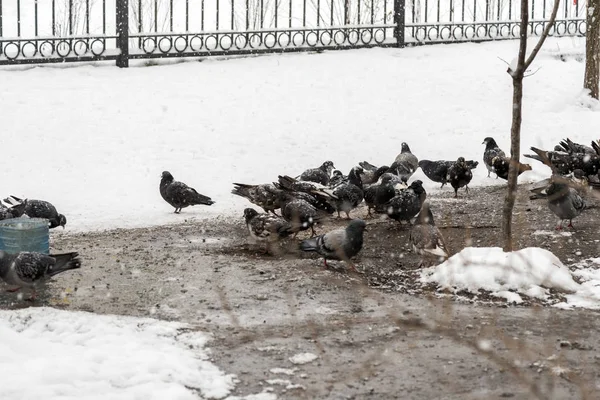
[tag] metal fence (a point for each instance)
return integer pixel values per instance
(37, 31)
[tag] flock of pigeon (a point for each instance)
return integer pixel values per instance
(317, 193)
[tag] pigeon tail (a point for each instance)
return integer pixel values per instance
(202, 199)
(64, 262)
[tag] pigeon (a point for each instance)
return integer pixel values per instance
(564, 201)
(266, 227)
(491, 150)
(14, 211)
(264, 195)
(32, 269)
(337, 178)
(380, 193)
(405, 204)
(577, 180)
(563, 163)
(339, 244)
(437, 171)
(371, 173)
(426, 239)
(300, 213)
(405, 164)
(459, 175)
(319, 175)
(347, 196)
(501, 164)
(180, 195)
(40, 209)
(305, 191)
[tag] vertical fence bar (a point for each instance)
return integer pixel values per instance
(373, 12)
(104, 17)
(385, 12)
(139, 11)
(452, 10)
(276, 12)
(358, 14)
(438, 10)
(331, 14)
(155, 16)
(53, 18)
(487, 10)
(1, 34)
(122, 20)
(247, 15)
(498, 10)
(532, 11)
(399, 22)
(262, 14)
(171, 15)
(474, 10)
(290, 15)
(427, 10)
(87, 16)
(232, 12)
(462, 11)
(70, 17)
(319, 11)
(217, 11)
(19, 18)
(187, 15)
(510, 9)
(304, 13)
(346, 12)
(202, 15)
(566, 9)
(36, 17)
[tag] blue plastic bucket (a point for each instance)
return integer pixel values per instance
(24, 234)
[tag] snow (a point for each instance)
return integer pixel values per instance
(589, 294)
(530, 271)
(94, 139)
(87, 356)
(303, 358)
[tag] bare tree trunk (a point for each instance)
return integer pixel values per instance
(517, 74)
(591, 79)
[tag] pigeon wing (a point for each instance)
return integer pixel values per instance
(31, 267)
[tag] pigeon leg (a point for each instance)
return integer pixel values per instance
(369, 212)
(570, 224)
(313, 233)
(33, 295)
(177, 212)
(14, 289)
(353, 267)
(325, 266)
(441, 187)
(347, 214)
(455, 193)
(467, 189)
(338, 211)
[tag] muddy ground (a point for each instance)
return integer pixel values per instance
(379, 335)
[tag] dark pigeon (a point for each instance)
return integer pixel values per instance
(267, 228)
(564, 201)
(180, 195)
(501, 165)
(337, 178)
(567, 145)
(300, 213)
(319, 175)
(305, 191)
(459, 175)
(378, 194)
(264, 195)
(31, 269)
(14, 211)
(491, 150)
(42, 209)
(563, 163)
(437, 171)
(426, 239)
(406, 204)
(339, 244)
(346, 196)
(405, 164)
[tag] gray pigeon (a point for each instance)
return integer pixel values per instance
(371, 173)
(264, 195)
(319, 175)
(41, 209)
(426, 239)
(32, 269)
(406, 204)
(564, 201)
(491, 150)
(459, 175)
(267, 228)
(14, 211)
(300, 213)
(180, 195)
(339, 244)
(405, 164)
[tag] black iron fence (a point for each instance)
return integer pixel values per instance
(36, 31)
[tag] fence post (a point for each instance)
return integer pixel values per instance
(122, 19)
(399, 22)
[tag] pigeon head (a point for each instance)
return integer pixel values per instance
(62, 220)
(405, 148)
(354, 176)
(250, 213)
(461, 161)
(166, 176)
(417, 187)
(381, 170)
(327, 167)
(425, 216)
(336, 173)
(490, 143)
(357, 226)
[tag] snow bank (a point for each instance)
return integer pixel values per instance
(54, 354)
(530, 271)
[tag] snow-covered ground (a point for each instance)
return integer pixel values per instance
(94, 140)
(54, 354)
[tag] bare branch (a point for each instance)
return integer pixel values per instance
(545, 34)
(531, 73)
(503, 60)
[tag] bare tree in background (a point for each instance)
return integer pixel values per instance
(591, 80)
(517, 72)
